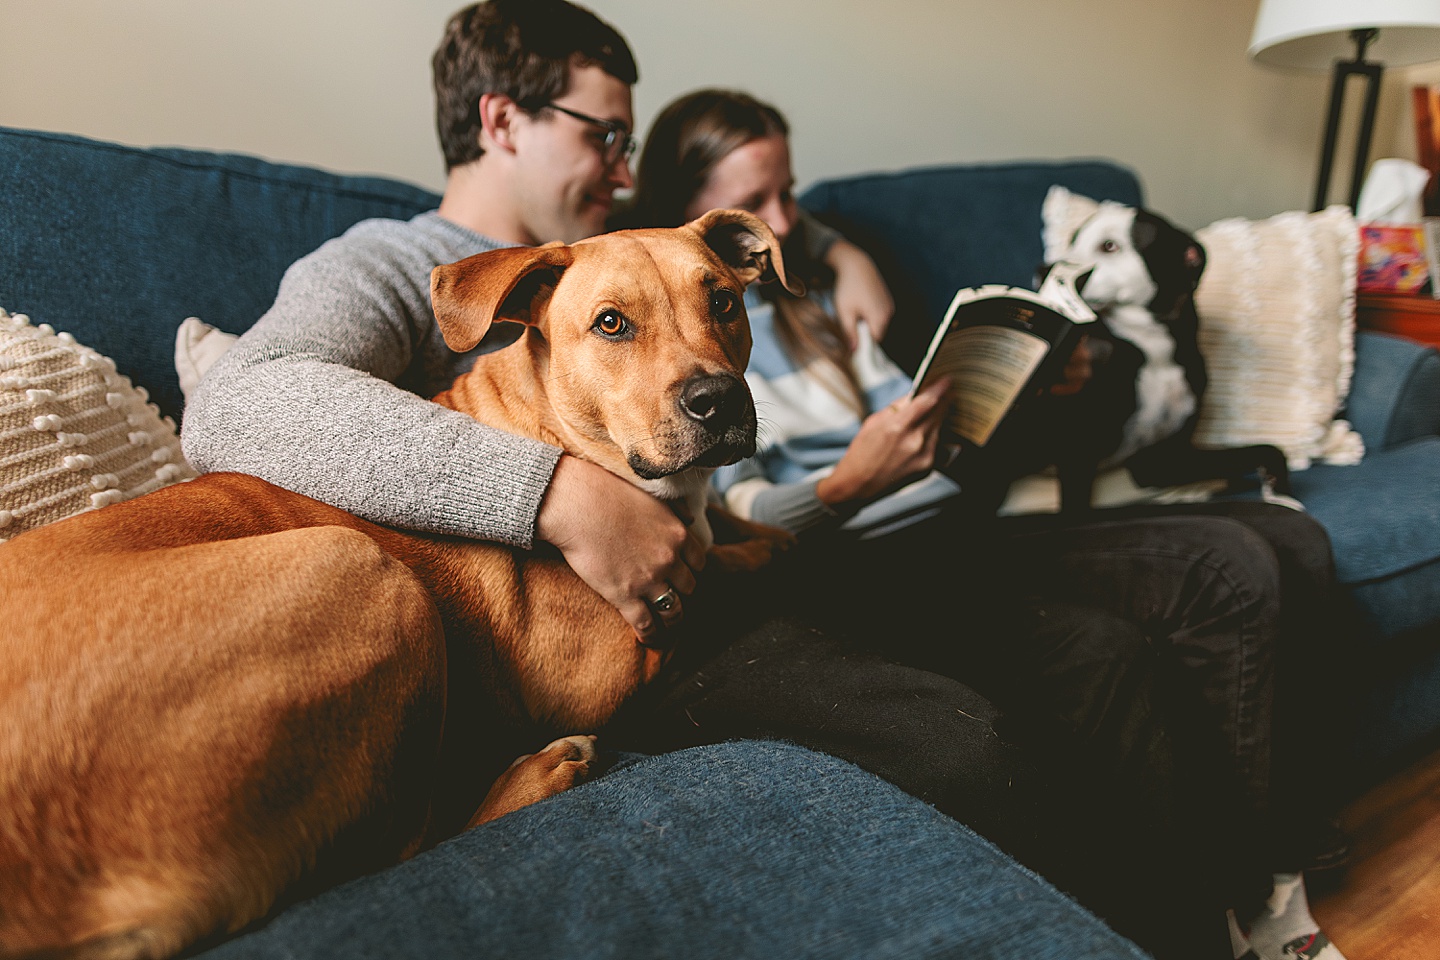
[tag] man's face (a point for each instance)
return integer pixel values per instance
(564, 186)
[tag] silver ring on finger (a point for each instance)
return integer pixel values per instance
(666, 602)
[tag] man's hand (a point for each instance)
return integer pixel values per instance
(894, 446)
(861, 295)
(629, 547)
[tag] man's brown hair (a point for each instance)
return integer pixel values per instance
(522, 49)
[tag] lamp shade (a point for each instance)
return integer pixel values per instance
(1313, 34)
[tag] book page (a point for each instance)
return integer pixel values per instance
(988, 365)
(1059, 291)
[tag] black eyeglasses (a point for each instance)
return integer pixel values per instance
(618, 141)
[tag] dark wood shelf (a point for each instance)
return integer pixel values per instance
(1417, 318)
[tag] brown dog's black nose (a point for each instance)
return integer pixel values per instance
(715, 401)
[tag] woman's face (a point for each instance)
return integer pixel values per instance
(754, 177)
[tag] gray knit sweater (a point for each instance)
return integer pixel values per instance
(325, 395)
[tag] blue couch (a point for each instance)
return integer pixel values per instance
(747, 849)
(937, 230)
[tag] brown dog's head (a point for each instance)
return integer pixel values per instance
(639, 338)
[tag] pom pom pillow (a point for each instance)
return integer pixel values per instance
(1277, 327)
(74, 434)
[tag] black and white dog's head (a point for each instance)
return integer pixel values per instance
(1140, 259)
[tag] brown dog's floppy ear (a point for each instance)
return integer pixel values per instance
(747, 244)
(513, 283)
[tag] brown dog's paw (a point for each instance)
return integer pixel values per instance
(743, 546)
(535, 776)
(744, 557)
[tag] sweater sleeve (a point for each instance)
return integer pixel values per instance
(311, 399)
(792, 506)
(748, 493)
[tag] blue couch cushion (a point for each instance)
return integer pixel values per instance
(1383, 517)
(117, 245)
(944, 228)
(747, 849)
(1395, 395)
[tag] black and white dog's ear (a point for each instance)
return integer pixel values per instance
(1145, 231)
(1195, 260)
(1174, 258)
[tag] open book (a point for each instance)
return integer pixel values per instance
(1000, 343)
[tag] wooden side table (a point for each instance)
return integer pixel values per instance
(1417, 318)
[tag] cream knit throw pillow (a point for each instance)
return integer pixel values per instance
(74, 434)
(1277, 328)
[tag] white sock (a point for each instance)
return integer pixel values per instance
(1284, 930)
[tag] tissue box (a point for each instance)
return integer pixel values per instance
(1393, 259)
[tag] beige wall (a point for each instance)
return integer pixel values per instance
(1161, 85)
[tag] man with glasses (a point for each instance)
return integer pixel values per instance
(324, 395)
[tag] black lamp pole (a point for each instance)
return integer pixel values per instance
(1344, 69)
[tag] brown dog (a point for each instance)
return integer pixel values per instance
(212, 691)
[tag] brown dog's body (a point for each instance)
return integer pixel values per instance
(214, 690)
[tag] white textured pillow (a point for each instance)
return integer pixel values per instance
(1277, 327)
(74, 434)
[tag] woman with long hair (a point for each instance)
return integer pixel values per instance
(890, 553)
(832, 400)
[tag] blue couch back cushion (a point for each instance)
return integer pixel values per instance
(934, 230)
(117, 245)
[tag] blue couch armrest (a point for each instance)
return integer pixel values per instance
(1395, 393)
(738, 850)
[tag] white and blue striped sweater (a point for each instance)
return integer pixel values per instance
(805, 429)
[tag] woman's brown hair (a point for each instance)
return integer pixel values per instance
(689, 137)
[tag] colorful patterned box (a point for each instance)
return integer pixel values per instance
(1392, 259)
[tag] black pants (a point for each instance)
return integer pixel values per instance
(1133, 659)
(1317, 623)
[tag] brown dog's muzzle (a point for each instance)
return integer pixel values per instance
(718, 417)
(721, 404)
(723, 407)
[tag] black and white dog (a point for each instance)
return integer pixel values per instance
(1141, 404)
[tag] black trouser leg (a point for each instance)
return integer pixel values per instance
(931, 735)
(1315, 634)
(1089, 800)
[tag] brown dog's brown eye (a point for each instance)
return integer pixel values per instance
(724, 304)
(612, 324)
